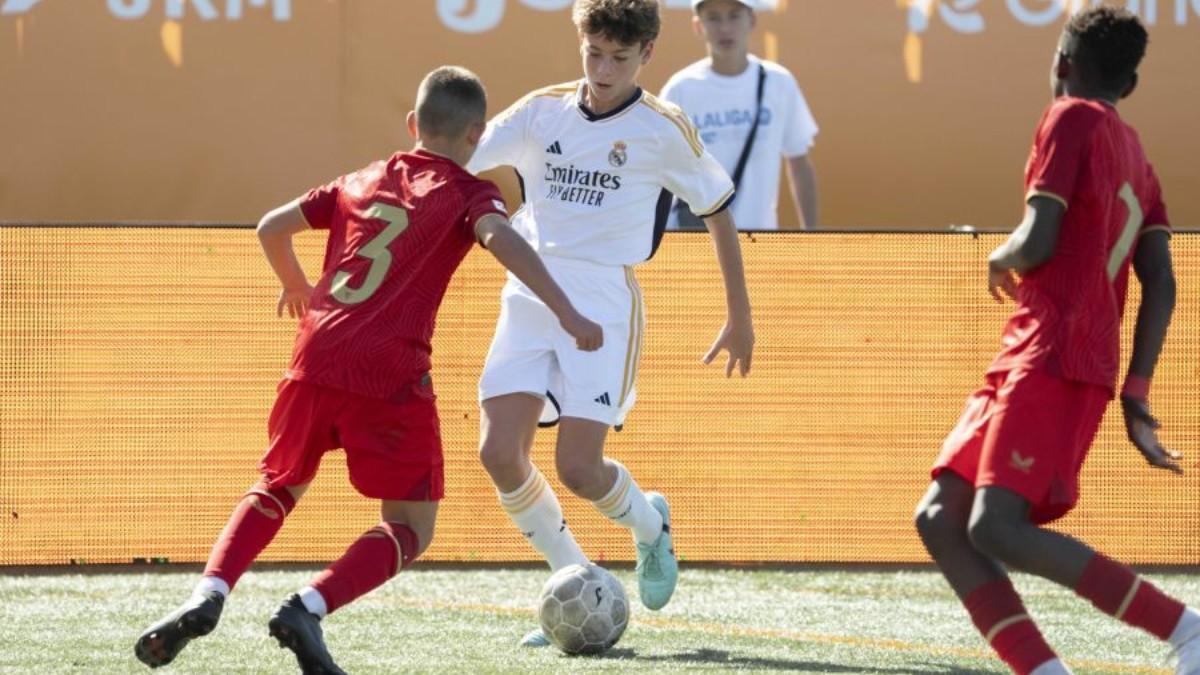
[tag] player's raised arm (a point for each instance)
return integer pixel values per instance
(737, 335)
(518, 256)
(1029, 246)
(275, 232)
(1152, 264)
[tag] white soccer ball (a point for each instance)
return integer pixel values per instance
(583, 609)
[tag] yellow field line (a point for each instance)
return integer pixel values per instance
(724, 629)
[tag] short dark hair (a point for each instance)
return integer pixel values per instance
(626, 22)
(1110, 43)
(449, 100)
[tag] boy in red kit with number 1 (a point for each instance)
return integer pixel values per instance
(1093, 206)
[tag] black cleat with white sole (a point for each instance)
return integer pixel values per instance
(163, 641)
(299, 630)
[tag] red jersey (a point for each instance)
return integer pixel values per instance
(1069, 309)
(398, 230)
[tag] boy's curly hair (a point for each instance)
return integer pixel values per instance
(1111, 43)
(627, 22)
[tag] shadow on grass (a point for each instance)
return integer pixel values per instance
(721, 657)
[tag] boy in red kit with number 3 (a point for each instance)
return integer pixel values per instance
(359, 375)
(1012, 463)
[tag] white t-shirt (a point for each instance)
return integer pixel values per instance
(722, 108)
(595, 185)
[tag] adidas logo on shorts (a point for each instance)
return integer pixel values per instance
(603, 399)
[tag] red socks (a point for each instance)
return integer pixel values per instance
(253, 525)
(998, 613)
(1115, 590)
(374, 558)
(1112, 587)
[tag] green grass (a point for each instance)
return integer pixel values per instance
(440, 621)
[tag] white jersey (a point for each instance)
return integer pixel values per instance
(598, 187)
(722, 108)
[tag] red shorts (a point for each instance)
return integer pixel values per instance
(393, 449)
(1028, 432)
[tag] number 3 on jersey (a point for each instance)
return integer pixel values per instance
(376, 251)
(1129, 233)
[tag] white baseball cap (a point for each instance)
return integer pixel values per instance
(752, 4)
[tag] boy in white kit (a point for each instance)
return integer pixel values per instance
(598, 160)
(719, 94)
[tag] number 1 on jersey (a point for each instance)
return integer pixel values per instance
(1128, 233)
(376, 251)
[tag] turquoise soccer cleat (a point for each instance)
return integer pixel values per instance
(535, 638)
(1188, 656)
(657, 568)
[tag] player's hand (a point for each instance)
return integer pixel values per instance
(1001, 280)
(1142, 429)
(295, 300)
(738, 338)
(589, 336)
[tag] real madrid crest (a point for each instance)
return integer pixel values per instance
(618, 157)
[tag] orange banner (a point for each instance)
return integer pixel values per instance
(218, 110)
(138, 365)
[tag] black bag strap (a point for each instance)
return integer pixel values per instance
(741, 165)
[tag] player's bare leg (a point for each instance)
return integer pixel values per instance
(251, 527)
(1001, 528)
(942, 519)
(606, 483)
(405, 531)
(508, 424)
(579, 458)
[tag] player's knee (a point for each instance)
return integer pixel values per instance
(498, 456)
(993, 535)
(925, 520)
(938, 531)
(424, 539)
(581, 478)
(425, 536)
(419, 521)
(410, 542)
(421, 539)
(274, 503)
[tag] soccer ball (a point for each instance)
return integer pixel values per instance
(583, 609)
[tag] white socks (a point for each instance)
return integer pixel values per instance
(313, 601)
(207, 584)
(627, 506)
(1188, 626)
(1051, 667)
(536, 511)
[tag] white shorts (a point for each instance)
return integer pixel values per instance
(531, 353)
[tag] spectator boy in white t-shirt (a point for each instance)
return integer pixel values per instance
(719, 94)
